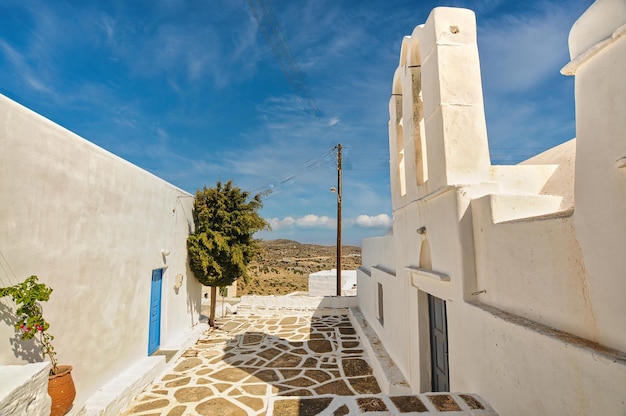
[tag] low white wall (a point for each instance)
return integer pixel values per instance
(91, 226)
(295, 303)
(24, 390)
(324, 283)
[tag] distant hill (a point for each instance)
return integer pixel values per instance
(284, 266)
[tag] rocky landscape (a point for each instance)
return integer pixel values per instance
(283, 266)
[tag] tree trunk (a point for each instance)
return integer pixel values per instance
(213, 305)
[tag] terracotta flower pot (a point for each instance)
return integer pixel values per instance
(61, 390)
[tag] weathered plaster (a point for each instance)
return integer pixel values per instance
(529, 258)
(92, 226)
(24, 390)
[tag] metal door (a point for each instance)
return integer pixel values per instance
(154, 332)
(438, 344)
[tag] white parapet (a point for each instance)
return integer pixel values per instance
(324, 283)
(24, 390)
(113, 398)
(295, 303)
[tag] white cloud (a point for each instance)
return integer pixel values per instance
(314, 221)
(376, 221)
(278, 224)
(307, 221)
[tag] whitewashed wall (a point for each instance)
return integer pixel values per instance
(598, 52)
(324, 283)
(92, 226)
(531, 271)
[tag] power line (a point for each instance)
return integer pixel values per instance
(276, 185)
(328, 159)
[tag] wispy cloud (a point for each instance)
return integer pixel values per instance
(521, 52)
(23, 69)
(333, 121)
(13, 56)
(192, 91)
(521, 55)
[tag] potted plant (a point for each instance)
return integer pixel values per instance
(30, 324)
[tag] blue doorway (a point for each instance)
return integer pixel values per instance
(154, 332)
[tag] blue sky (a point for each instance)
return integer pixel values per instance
(192, 92)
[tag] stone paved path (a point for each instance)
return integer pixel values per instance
(235, 369)
(299, 365)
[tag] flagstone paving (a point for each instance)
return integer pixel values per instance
(301, 365)
(234, 369)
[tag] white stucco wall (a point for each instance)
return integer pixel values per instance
(324, 283)
(598, 50)
(522, 370)
(528, 258)
(92, 226)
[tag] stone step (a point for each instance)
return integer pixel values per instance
(389, 376)
(452, 404)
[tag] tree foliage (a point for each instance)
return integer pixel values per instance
(222, 244)
(30, 322)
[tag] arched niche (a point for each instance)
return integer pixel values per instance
(404, 50)
(413, 55)
(414, 63)
(401, 161)
(396, 134)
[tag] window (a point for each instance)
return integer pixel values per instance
(381, 315)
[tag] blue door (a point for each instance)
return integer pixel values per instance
(154, 333)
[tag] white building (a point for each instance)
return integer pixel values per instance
(109, 238)
(506, 281)
(324, 283)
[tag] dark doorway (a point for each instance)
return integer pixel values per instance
(438, 344)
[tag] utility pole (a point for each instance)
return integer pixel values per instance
(338, 147)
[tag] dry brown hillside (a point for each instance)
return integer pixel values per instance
(283, 266)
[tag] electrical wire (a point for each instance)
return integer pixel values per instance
(327, 159)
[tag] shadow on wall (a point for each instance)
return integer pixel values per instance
(194, 303)
(26, 350)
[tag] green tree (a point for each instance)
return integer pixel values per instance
(222, 243)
